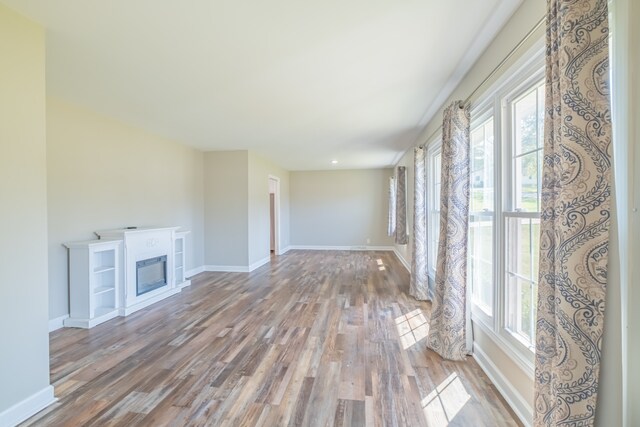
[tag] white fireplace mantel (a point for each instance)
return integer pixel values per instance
(140, 244)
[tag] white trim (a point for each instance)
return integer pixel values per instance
(285, 250)
(516, 401)
(403, 261)
(260, 263)
(57, 323)
(125, 311)
(72, 322)
(28, 407)
(340, 248)
(184, 284)
(227, 268)
(194, 271)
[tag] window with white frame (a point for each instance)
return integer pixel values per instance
(522, 209)
(433, 201)
(481, 213)
(504, 210)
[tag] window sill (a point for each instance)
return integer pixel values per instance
(524, 363)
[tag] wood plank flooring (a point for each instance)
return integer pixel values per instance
(314, 339)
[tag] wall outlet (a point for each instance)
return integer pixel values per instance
(368, 240)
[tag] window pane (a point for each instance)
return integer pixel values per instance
(434, 209)
(519, 247)
(522, 236)
(481, 261)
(527, 183)
(527, 308)
(482, 167)
(535, 247)
(526, 125)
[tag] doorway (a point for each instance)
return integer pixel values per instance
(274, 215)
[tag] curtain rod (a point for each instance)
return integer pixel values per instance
(494, 71)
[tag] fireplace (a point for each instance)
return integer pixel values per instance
(151, 274)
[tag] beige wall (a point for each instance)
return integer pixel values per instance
(226, 209)
(340, 208)
(105, 174)
(24, 342)
(258, 192)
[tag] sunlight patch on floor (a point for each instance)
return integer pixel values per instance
(444, 403)
(412, 328)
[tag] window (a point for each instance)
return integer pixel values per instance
(481, 215)
(504, 210)
(433, 201)
(522, 213)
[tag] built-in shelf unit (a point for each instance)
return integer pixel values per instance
(180, 259)
(94, 272)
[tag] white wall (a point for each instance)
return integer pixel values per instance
(24, 342)
(226, 197)
(258, 192)
(104, 174)
(340, 207)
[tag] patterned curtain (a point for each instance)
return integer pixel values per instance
(391, 227)
(419, 287)
(401, 206)
(447, 330)
(575, 215)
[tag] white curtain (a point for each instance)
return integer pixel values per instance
(575, 215)
(448, 326)
(419, 286)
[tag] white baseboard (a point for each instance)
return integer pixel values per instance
(26, 408)
(402, 260)
(260, 263)
(520, 406)
(341, 248)
(227, 268)
(284, 251)
(184, 284)
(125, 311)
(57, 323)
(194, 271)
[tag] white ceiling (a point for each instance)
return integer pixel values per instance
(299, 82)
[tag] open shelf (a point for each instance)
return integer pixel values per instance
(103, 289)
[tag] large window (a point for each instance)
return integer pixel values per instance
(522, 213)
(504, 211)
(433, 200)
(481, 217)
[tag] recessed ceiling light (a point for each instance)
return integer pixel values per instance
(334, 162)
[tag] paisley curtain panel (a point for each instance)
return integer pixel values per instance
(447, 331)
(391, 227)
(401, 206)
(575, 215)
(419, 282)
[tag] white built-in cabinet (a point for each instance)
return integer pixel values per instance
(179, 274)
(94, 275)
(103, 276)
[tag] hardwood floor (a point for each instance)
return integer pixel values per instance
(314, 339)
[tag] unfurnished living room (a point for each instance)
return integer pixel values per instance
(322, 213)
